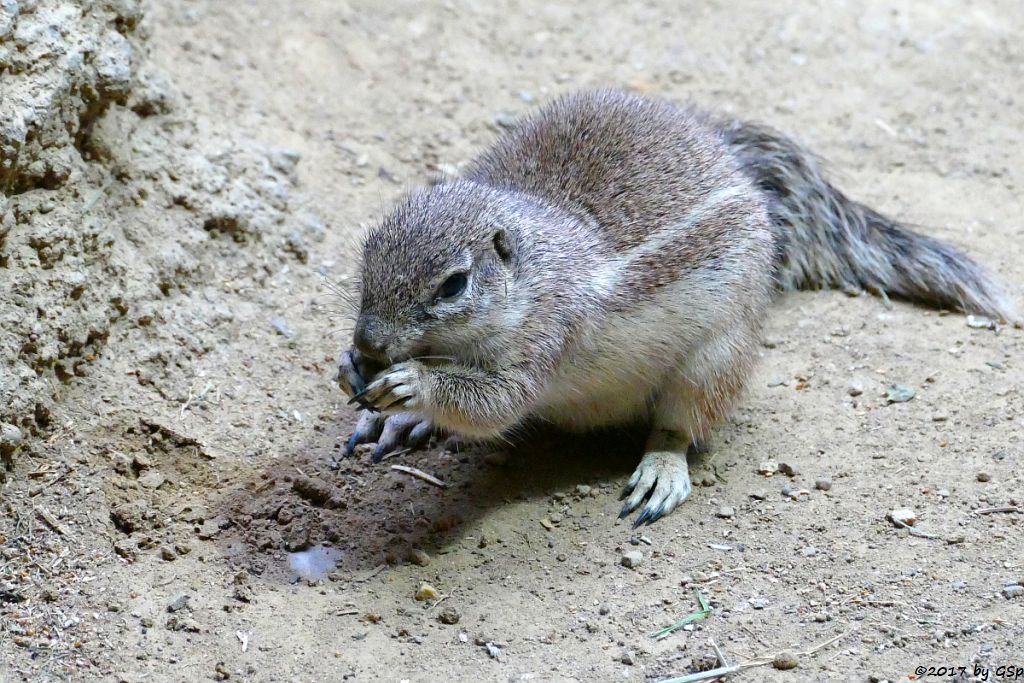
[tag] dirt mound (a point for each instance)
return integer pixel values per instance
(114, 204)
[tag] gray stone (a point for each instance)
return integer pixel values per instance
(179, 603)
(903, 516)
(632, 559)
(785, 661)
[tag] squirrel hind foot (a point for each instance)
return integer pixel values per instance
(662, 479)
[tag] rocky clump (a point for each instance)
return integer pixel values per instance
(112, 203)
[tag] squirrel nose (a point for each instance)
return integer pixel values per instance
(368, 340)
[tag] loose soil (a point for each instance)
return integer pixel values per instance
(177, 507)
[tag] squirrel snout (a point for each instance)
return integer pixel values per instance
(369, 340)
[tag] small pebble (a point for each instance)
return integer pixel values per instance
(604, 610)
(705, 661)
(493, 650)
(767, 468)
(978, 322)
(505, 120)
(10, 437)
(281, 327)
(758, 603)
(179, 603)
(209, 529)
(419, 557)
(1014, 591)
(152, 479)
(627, 658)
(122, 463)
(726, 511)
(940, 417)
(427, 592)
(632, 559)
(984, 476)
(903, 516)
(167, 554)
(759, 494)
(787, 469)
(449, 616)
(583, 490)
(899, 393)
(823, 484)
(854, 389)
(785, 661)
(809, 551)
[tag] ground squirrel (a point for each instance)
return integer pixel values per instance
(610, 260)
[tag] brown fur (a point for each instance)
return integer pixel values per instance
(620, 254)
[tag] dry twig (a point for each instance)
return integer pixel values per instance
(420, 474)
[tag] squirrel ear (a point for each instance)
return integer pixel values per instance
(502, 246)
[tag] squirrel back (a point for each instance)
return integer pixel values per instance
(573, 150)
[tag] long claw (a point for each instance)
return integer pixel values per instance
(390, 432)
(358, 397)
(654, 516)
(419, 435)
(644, 516)
(661, 478)
(367, 430)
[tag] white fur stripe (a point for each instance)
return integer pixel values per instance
(605, 278)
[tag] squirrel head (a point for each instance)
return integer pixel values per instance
(435, 275)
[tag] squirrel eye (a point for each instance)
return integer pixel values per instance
(454, 286)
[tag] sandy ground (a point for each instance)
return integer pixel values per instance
(147, 532)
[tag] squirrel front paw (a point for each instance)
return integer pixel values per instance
(354, 369)
(400, 388)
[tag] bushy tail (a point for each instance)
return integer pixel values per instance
(827, 240)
